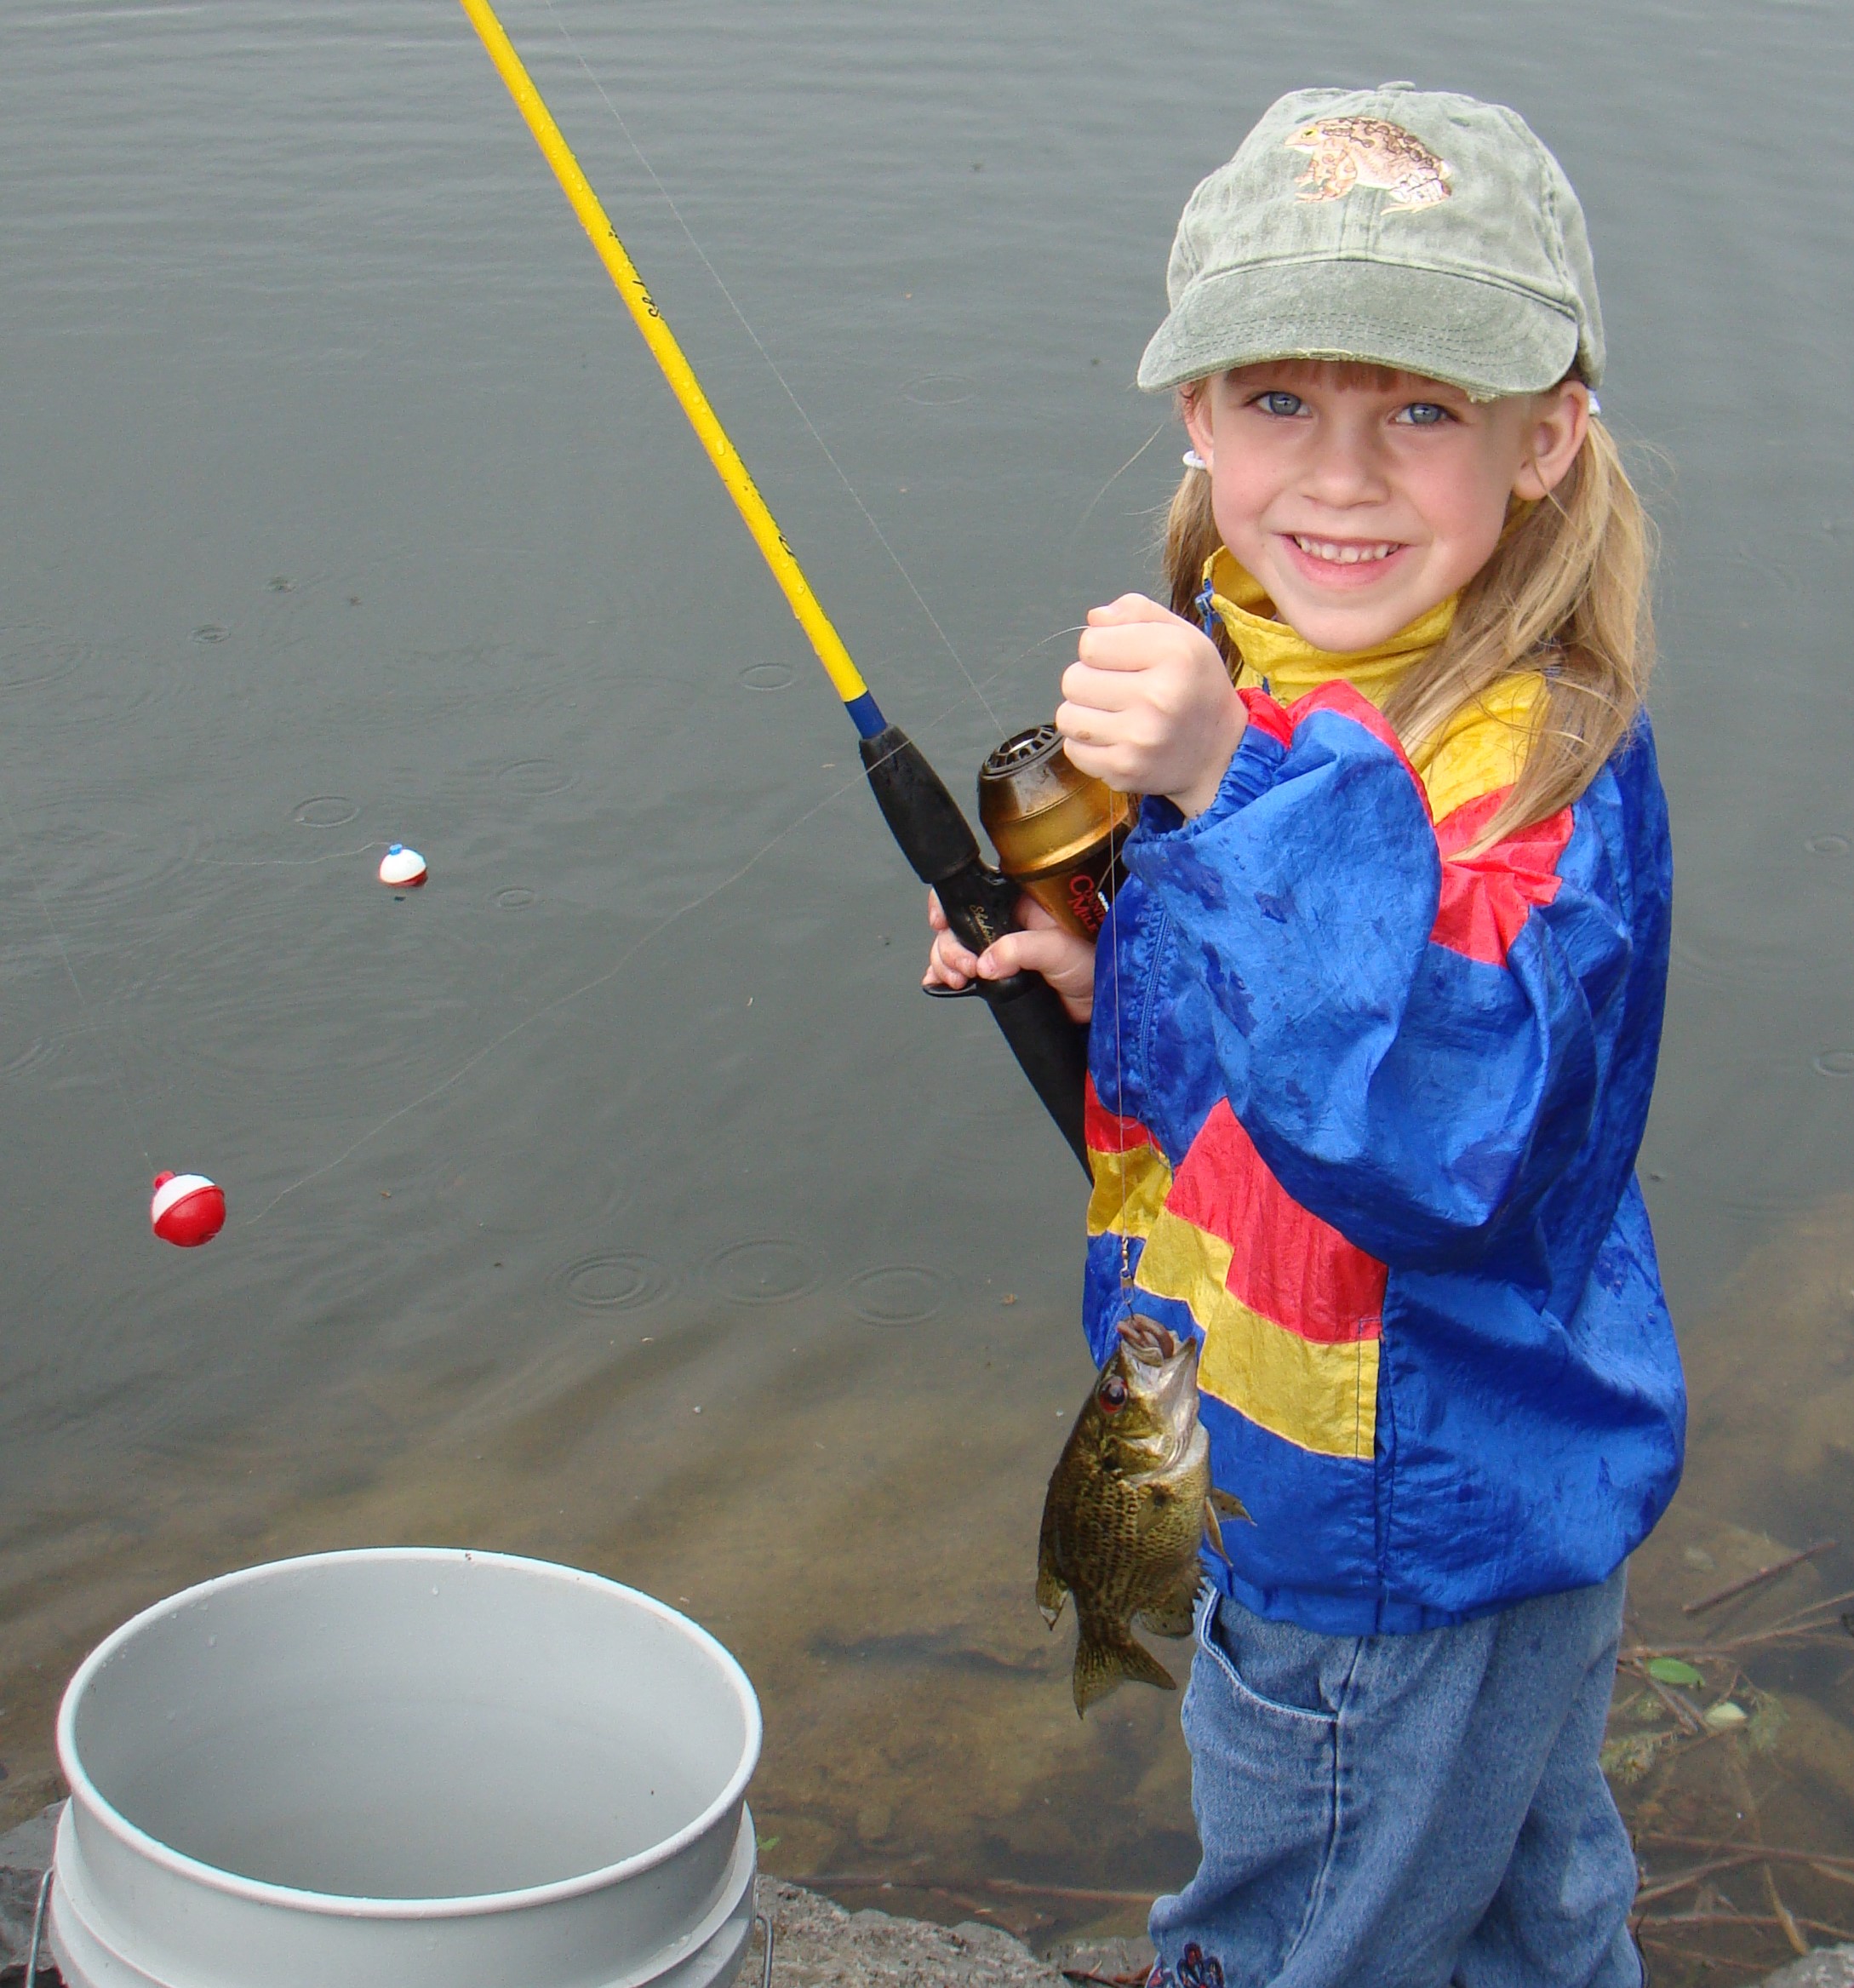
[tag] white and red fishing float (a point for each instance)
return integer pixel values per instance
(187, 1210)
(402, 867)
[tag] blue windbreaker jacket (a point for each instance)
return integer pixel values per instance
(1364, 1115)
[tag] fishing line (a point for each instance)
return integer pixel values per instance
(1003, 670)
(83, 1007)
(286, 863)
(772, 365)
(1119, 1085)
(1116, 477)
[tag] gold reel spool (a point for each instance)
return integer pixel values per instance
(1057, 830)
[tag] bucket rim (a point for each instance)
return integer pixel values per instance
(86, 1797)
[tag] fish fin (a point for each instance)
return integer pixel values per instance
(1231, 1508)
(1052, 1588)
(1051, 1595)
(1213, 1532)
(1101, 1666)
(1177, 1614)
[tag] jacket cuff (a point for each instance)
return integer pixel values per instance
(1254, 768)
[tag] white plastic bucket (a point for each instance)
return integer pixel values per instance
(406, 1768)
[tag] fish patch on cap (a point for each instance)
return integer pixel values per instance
(1370, 152)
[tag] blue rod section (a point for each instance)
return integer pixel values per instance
(866, 714)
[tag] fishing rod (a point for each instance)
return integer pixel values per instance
(1057, 831)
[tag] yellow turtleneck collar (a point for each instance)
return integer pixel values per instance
(1271, 651)
(1480, 749)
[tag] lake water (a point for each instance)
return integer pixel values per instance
(617, 1198)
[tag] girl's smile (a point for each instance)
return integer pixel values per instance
(1359, 497)
(1343, 563)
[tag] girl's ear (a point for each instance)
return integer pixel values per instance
(1553, 435)
(1194, 405)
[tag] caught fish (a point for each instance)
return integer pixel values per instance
(1130, 1502)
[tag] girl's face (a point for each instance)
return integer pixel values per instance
(1359, 497)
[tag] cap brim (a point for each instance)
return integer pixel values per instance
(1485, 337)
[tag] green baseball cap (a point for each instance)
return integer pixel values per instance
(1409, 228)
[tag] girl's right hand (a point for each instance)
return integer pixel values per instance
(1043, 946)
(1148, 705)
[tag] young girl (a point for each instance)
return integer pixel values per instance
(1373, 1035)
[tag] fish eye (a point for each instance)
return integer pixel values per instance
(1112, 1394)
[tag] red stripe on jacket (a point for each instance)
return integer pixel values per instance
(1266, 716)
(1107, 1131)
(1285, 1263)
(1487, 898)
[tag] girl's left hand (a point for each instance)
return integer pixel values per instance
(1040, 944)
(1148, 705)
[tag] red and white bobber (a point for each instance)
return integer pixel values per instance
(402, 867)
(188, 1209)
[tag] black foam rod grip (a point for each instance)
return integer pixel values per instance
(1051, 1051)
(925, 819)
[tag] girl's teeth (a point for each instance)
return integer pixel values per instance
(1320, 548)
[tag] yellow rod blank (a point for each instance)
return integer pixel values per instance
(683, 382)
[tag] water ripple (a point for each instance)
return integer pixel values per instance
(897, 1294)
(623, 1280)
(770, 1269)
(325, 811)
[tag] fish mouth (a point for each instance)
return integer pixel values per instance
(1150, 1342)
(1171, 1374)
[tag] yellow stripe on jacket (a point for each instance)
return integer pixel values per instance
(1322, 1397)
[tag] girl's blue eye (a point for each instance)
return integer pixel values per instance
(1280, 403)
(1423, 413)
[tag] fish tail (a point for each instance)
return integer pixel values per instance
(1102, 1663)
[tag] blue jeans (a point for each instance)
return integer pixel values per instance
(1404, 1811)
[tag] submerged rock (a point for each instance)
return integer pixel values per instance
(1829, 1966)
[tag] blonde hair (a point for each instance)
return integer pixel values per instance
(1566, 592)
